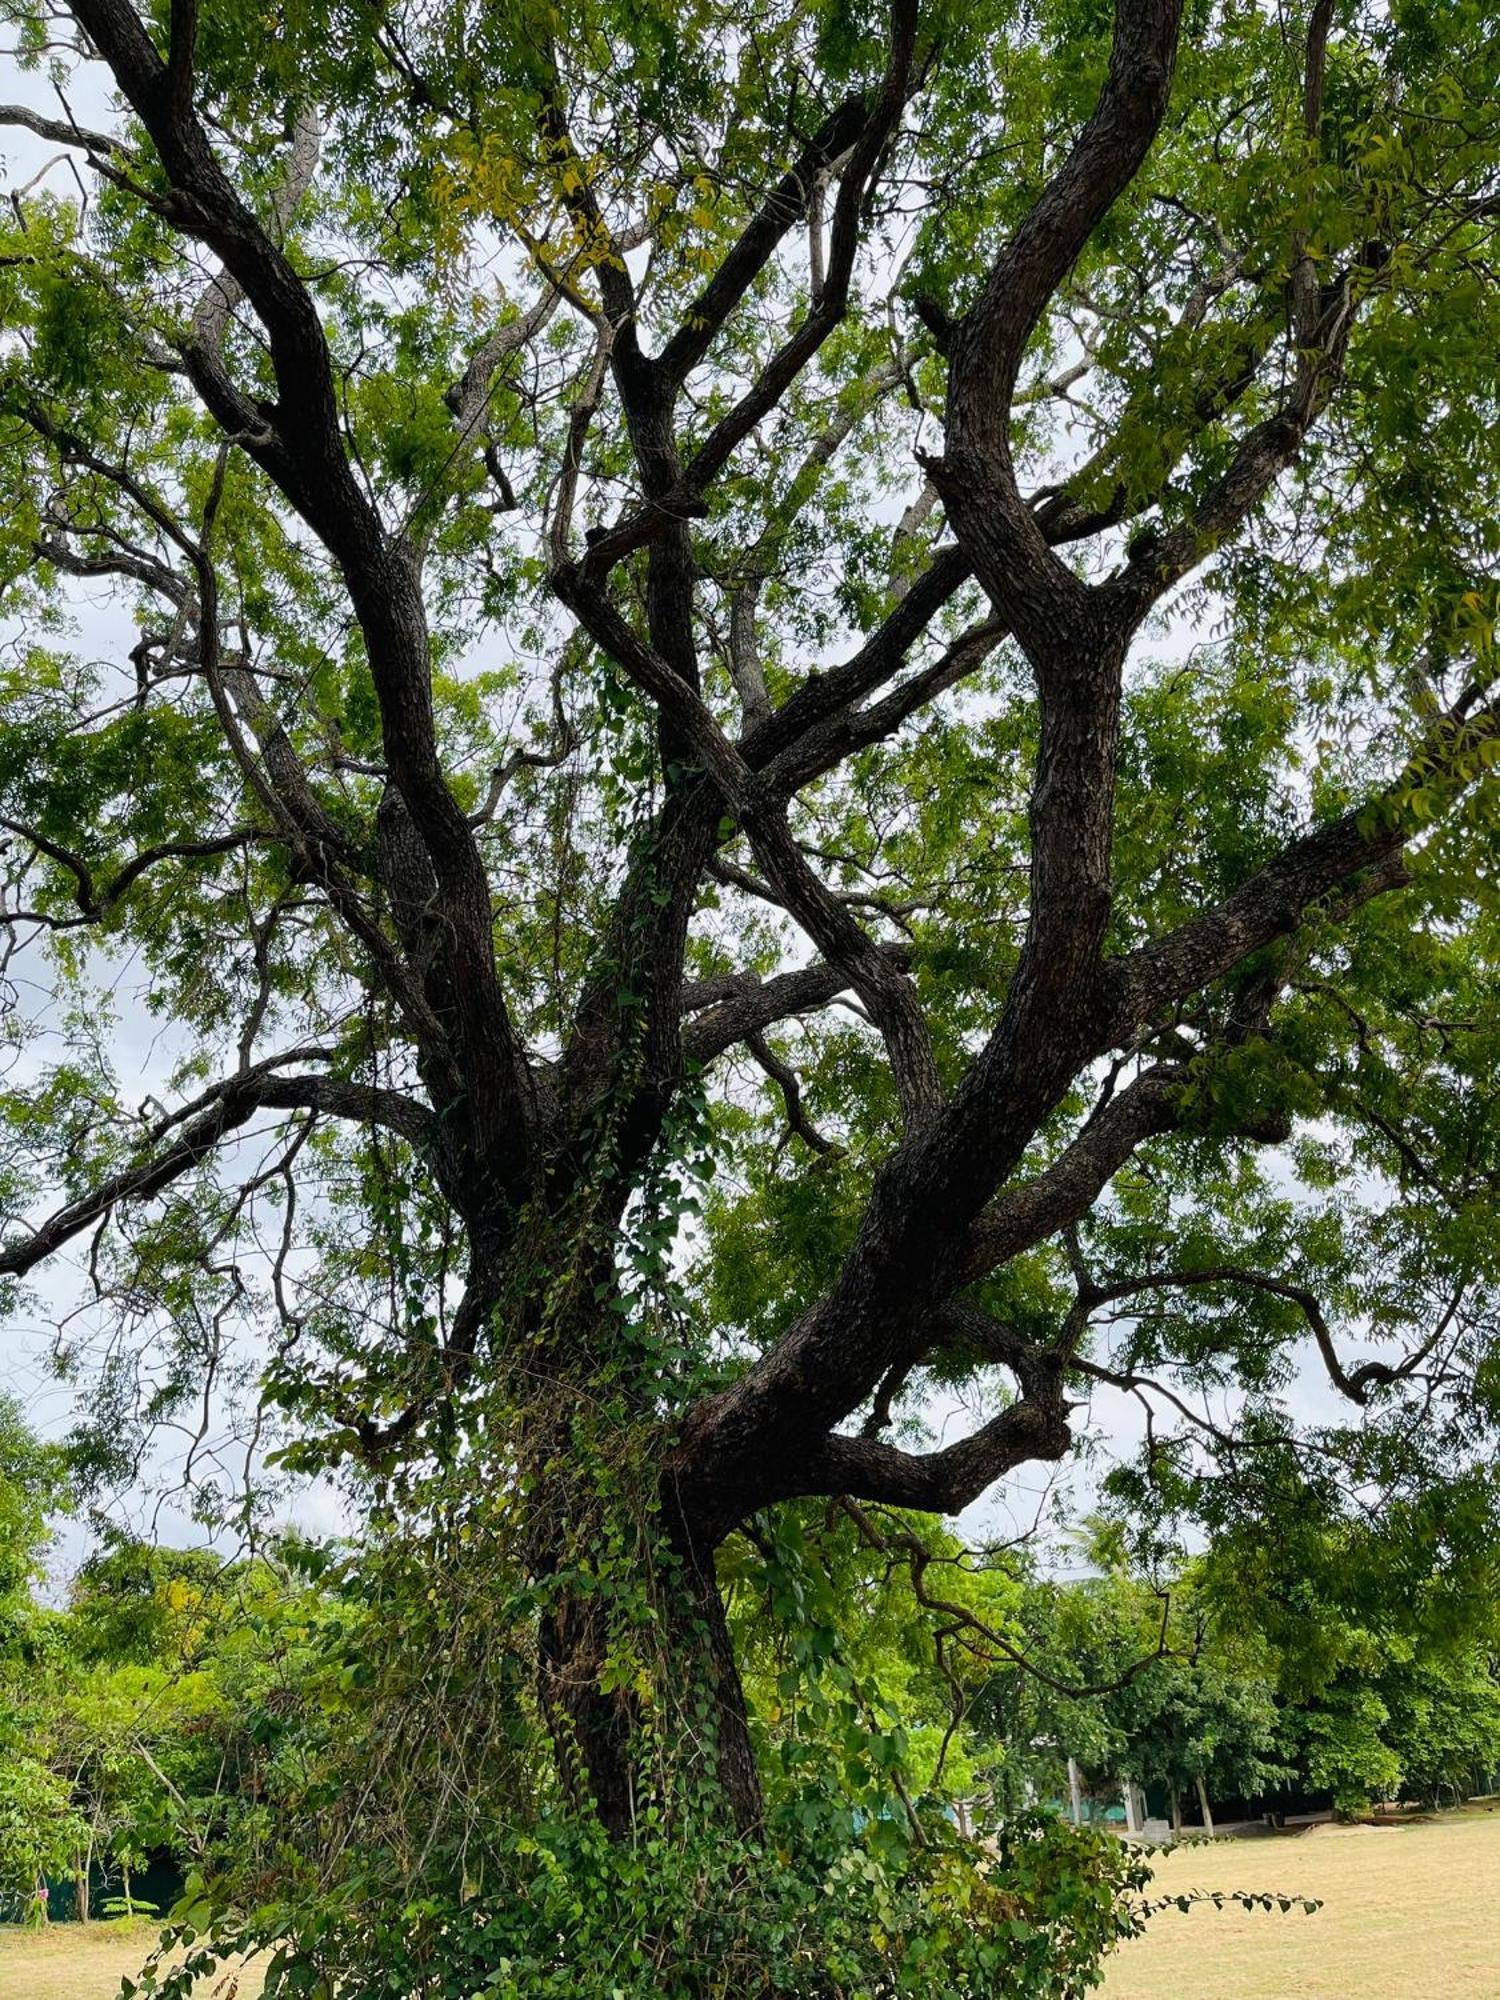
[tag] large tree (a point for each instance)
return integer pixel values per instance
(893, 607)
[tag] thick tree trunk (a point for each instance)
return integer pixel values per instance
(1208, 1818)
(599, 1731)
(734, 1753)
(592, 1726)
(634, 1650)
(627, 1701)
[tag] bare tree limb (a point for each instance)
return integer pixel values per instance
(788, 1083)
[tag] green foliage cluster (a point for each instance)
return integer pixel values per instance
(345, 1751)
(122, 1720)
(39, 1824)
(1234, 1675)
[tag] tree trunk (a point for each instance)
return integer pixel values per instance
(1075, 1792)
(635, 1666)
(599, 1729)
(592, 1726)
(1208, 1818)
(733, 1751)
(1174, 1792)
(81, 1892)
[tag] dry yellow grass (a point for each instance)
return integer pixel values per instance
(1410, 1912)
(69, 1962)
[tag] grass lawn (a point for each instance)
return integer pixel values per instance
(71, 1962)
(1408, 1910)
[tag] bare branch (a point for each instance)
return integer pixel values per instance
(963, 1620)
(788, 362)
(1023, 278)
(889, 995)
(1065, 1191)
(788, 1083)
(223, 293)
(469, 397)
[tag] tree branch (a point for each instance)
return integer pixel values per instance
(788, 1083)
(211, 1119)
(780, 211)
(300, 445)
(1364, 849)
(832, 301)
(739, 1004)
(937, 1482)
(1355, 1385)
(95, 901)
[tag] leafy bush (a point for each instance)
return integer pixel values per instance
(809, 1910)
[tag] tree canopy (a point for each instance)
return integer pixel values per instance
(798, 719)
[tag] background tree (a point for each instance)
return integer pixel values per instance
(38, 1826)
(1338, 1669)
(143, 1702)
(122, 1716)
(33, 1487)
(662, 549)
(1379, 1640)
(1131, 1681)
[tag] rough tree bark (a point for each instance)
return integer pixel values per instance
(597, 1724)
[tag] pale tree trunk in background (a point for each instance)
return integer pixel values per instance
(1208, 1818)
(1075, 1792)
